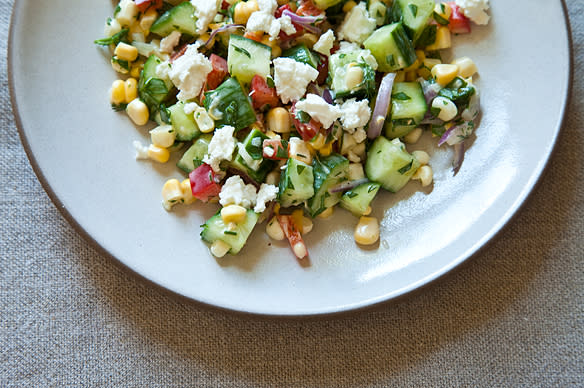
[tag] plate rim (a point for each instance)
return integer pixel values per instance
(353, 308)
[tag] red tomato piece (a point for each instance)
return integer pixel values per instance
(279, 149)
(216, 76)
(143, 5)
(306, 130)
(323, 70)
(307, 8)
(261, 94)
(203, 183)
(299, 30)
(458, 23)
(293, 235)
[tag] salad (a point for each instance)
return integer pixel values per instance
(282, 110)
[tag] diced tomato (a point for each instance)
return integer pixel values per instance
(307, 8)
(254, 35)
(299, 30)
(280, 149)
(225, 5)
(203, 183)
(216, 76)
(458, 23)
(323, 70)
(293, 235)
(179, 52)
(261, 94)
(281, 9)
(143, 5)
(306, 130)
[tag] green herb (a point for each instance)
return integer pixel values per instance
(114, 39)
(301, 155)
(123, 64)
(435, 111)
(299, 169)
(270, 82)
(119, 107)
(406, 168)
(117, 10)
(242, 50)
(401, 96)
(164, 114)
(414, 9)
(390, 60)
(351, 194)
(371, 188)
(303, 117)
(291, 185)
(230, 233)
(440, 20)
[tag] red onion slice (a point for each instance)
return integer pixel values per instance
(430, 90)
(459, 150)
(347, 185)
(307, 22)
(381, 106)
(225, 28)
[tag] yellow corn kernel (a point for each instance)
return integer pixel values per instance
(444, 73)
(158, 154)
(299, 150)
(171, 193)
(411, 75)
(273, 44)
(424, 174)
(367, 231)
(421, 156)
(367, 211)
(413, 136)
(421, 55)
(130, 89)
(126, 52)
(306, 225)
(354, 77)
(326, 150)
(203, 120)
(400, 76)
(204, 38)
(274, 230)
(138, 112)
(136, 69)
(278, 120)
(327, 212)
(308, 39)
(413, 67)
(318, 142)
(243, 10)
(148, 18)
(442, 41)
(443, 10)
(122, 69)
(233, 213)
(163, 136)
(427, 64)
(297, 216)
(466, 67)
(349, 5)
(117, 92)
(219, 248)
(187, 192)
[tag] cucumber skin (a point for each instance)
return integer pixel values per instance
(411, 111)
(358, 199)
(305, 180)
(387, 38)
(301, 53)
(167, 22)
(214, 229)
(193, 156)
(149, 73)
(184, 125)
(384, 160)
(334, 164)
(244, 68)
(414, 27)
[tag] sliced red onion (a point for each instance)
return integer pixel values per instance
(225, 28)
(307, 22)
(457, 133)
(430, 90)
(347, 185)
(327, 95)
(381, 106)
(459, 150)
(430, 119)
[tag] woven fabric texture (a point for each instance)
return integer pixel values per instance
(511, 316)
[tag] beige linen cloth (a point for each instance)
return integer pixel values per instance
(510, 316)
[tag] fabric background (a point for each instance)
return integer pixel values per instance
(511, 316)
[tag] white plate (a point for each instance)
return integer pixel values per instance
(82, 152)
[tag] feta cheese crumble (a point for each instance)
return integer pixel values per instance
(205, 11)
(357, 25)
(291, 78)
(364, 55)
(168, 44)
(266, 22)
(325, 43)
(221, 147)
(475, 10)
(189, 72)
(236, 192)
(319, 109)
(141, 150)
(266, 194)
(355, 114)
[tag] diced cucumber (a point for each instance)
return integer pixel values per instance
(339, 64)
(408, 108)
(391, 47)
(249, 157)
(328, 172)
(180, 18)
(414, 14)
(324, 4)
(193, 156)
(358, 199)
(246, 58)
(229, 105)
(184, 124)
(390, 164)
(151, 89)
(215, 229)
(301, 53)
(296, 183)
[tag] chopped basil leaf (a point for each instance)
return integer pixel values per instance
(242, 50)
(413, 9)
(230, 233)
(406, 168)
(114, 39)
(119, 107)
(303, 117)
(401, 96)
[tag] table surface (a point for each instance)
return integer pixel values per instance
(512, 315)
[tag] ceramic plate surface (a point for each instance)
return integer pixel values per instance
(82, 152)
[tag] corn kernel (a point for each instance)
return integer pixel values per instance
(448, 109)
(126, 52)
(163, 136)
(117, 92)
(307, 225)
(130, 89)
(148, 19)
(349, 5)
(278, 120)
(274, 230)
(354, 77)
(299, 150)
(326, 150)
(421, 55)
(203, 120)
(424, 174)
(413, 136)
(400, 76)
(171, 193)
(443, 10)
(233, 213)
(318, 142)
(187, 192)
(411, 75)
(444, 73)
(442, 41)
(308, 39)
(273, 44)
(219, 248)
(355, 171)
(243, 10)
(327, 212)
(413, 67)
(136, 69)
(138, 112)
(466, 67)
(367, 231)
(421, 156)
(367, 211)
(158, 154)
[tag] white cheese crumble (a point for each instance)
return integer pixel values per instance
(190, 107)
(325, 43)
(357, 25)
(189, 72)
(141, 150)
(266, 22)
(205, 11)
(221, 147)
(266, 194)
(286, 25)
(162, 70)
(319, 109)
(355, 114)
(168, 44)
(291, 78)
(268, 6)
(360, 135)
(475, 10)
(236, 192)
